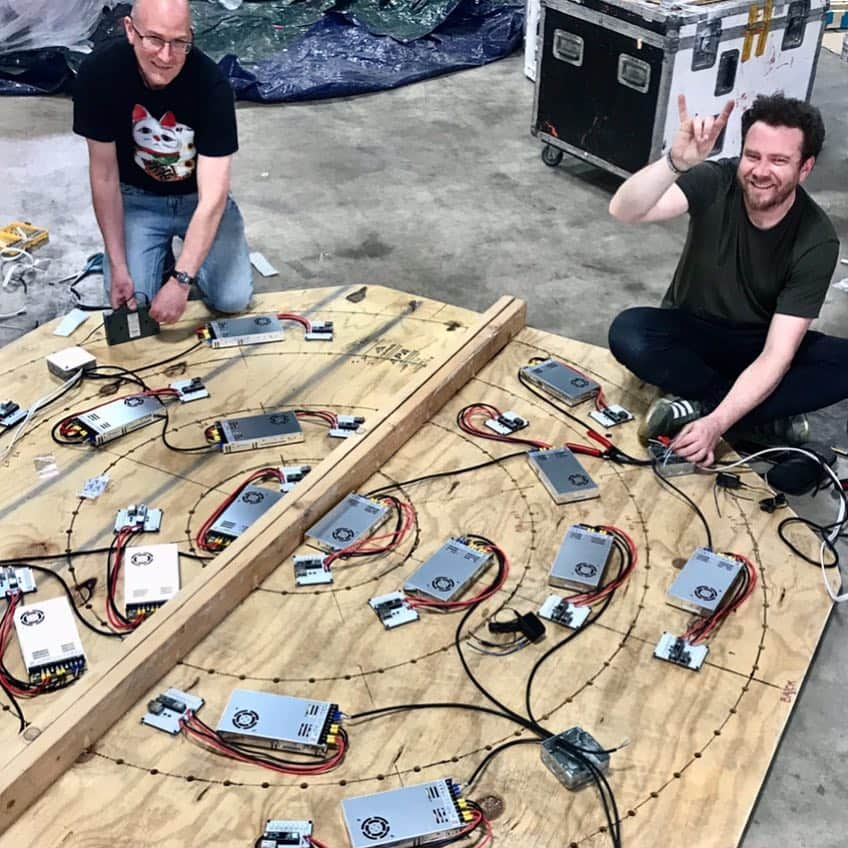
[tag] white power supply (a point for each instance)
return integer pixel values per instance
(66, 362)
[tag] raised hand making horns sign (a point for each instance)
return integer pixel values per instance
(696, 136)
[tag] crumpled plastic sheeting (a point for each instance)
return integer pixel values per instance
(33, 24)
(256, 31)
(405, 20)
(337, 59)
(42, 71)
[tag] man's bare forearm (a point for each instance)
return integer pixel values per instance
(109, 211)
(638, 194)
(751, 388)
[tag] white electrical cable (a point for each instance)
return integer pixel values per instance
(41, 402)
(840, 518)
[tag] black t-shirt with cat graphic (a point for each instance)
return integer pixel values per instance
(157, 133)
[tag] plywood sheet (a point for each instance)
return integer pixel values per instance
(700, 744)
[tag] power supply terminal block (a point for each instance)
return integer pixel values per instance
(563, 612)
(280, 722)
(611, 416)
(50, 643)
(347, 426)
(507, 424)
(426, 813)
(675, 649)
(309, 570)
(16, 579)
(234, 332)
(190, 389)
(286, 834)
(166, 711)
(292, 474)
(393, 609)
(11, 414)
(353, 518)
(570, 766)
(562, 382)
(320, 331)
(139, 516)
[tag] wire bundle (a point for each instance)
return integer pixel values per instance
(702, 628)
(465, 421)
(324, 415)
(626, 548)
(114, 560)
(200, 732)
(12, 685)
(216, 545)
(405, 521)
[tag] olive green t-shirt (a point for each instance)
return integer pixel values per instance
(733, 271)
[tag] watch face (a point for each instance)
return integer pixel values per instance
(183, 278)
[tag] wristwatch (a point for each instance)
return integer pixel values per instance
(184, 279)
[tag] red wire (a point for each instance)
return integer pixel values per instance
(694, 635)
(262, 473)
(290, 316)
(5, 633)
(315, 843)
(124, 535)
(591, 597)
(427, 602)
(467, 425)
(322, 414)
(396, 536)
(200, 732)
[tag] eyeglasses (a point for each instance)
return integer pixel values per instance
(155, 43)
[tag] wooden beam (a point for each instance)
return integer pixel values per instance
(99, 700)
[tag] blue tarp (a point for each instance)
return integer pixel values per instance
(335, 57)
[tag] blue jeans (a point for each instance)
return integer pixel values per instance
(150, 224)
(699, 359)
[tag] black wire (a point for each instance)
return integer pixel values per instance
(519, 719)
(17, 707)
(74, 606)
(199, 449)
(380, 711)
(528, 688)
(666, 482)
(41, 557)
(168, 359)
(404, 483)
(494, 753)
(819, 529)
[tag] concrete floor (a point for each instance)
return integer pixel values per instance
(438, 189)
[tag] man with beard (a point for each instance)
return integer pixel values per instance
(731, 341)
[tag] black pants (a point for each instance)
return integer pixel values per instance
(699, 359)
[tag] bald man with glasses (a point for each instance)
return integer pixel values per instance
(159, 119)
